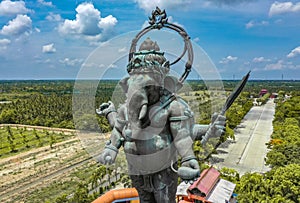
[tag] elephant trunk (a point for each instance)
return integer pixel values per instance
(137, 105)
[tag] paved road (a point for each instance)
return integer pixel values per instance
(247, 152)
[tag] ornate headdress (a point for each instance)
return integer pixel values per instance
(148, 59)
(138, 61)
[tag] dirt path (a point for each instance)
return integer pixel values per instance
(23, 173)
(247, 152)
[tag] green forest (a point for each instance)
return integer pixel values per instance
(49, 103)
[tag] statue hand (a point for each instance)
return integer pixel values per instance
(218, 123)
(192, 163)
(108, 155)
(189, 170)
(106, 108)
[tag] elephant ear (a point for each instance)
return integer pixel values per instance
(172, 84)
(124, 84)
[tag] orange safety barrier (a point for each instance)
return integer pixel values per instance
(118, 194)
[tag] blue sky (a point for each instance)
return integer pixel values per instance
(43, 39)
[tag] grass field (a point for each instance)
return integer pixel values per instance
(16, 140)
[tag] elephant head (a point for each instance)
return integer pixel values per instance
(148, 71)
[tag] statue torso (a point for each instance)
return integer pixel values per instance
(153, 137)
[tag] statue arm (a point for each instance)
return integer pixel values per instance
(109, 111)
(181, 129)
(116, 137)
(181, 124)
(111, 117)
(112, 146)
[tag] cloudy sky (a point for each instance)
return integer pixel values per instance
(46, 39)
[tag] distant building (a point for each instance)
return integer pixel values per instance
(274, 95)
(286, 97)
(263, 92)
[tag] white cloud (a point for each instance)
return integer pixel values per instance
(284, 7)
(247, 63)
(260, 59)
(38, 30)
(53, 17)
(22, 24)
(229, 2)
(171, 20)
(282, 65)
(278, 21)
(8, 8)
(93, 65)
(279, 65)
(71, 62)
(179, 5)
(108, 22)
(45, 3)
(4, 43)
(293, 67)
(88, 23)
(112, 66)
(149, 5)
(252, 23)
(49, 48)
(295, 52)
(197, 39)
(228, 59)
(122, 50)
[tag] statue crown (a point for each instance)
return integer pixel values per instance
(149, 45)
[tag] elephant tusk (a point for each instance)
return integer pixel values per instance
(143, 112)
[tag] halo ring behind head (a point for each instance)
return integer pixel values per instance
(157, 21)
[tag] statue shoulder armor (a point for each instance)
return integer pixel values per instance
(121, 111)
(179, 110)
(121, 119)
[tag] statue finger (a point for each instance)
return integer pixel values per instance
(214, 117)
(108, 160)
(99, 112)
(100, 159)
(220, 132)
(220, 123)
(104, 106)
(110, 103)
(221, 118)
(220, 127)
